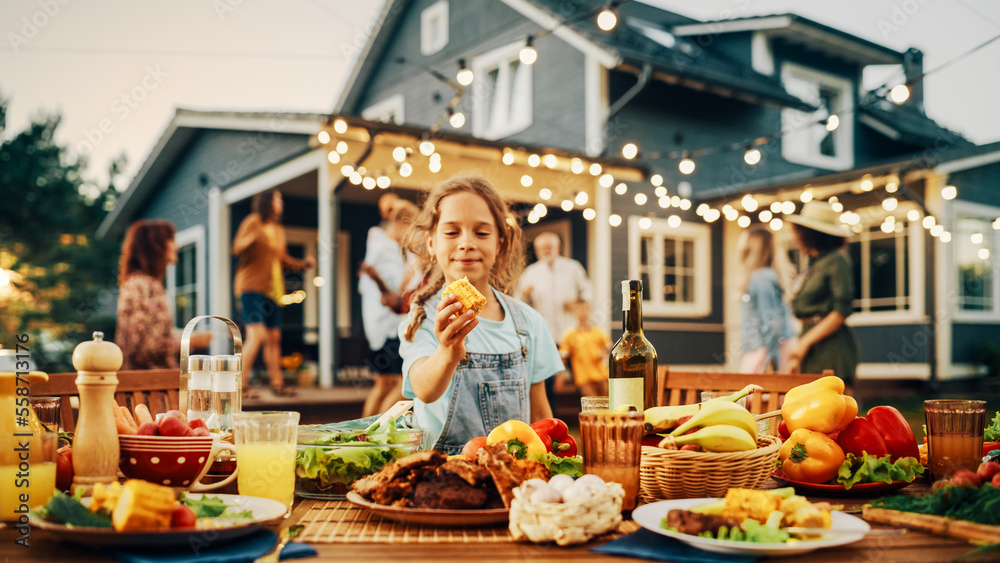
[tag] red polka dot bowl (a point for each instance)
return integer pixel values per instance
(175, 461)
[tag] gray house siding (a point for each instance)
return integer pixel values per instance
(897, 344)
(969, 341)
(978, 185)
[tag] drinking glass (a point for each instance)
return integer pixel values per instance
(265, 454)
(47, 410)
(30, 482)
(612, 448)
(593, 402)
(954, 435)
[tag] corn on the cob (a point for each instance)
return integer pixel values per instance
(467, 295)
(105, 497)
(748, 503)
(800, 512)
(143, 506)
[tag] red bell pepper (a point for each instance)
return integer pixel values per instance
(555, 434)
(860, 437)
(895, 432)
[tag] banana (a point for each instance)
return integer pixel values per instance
(665, 419)
(716, 438)
(720, 412)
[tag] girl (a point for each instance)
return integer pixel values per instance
(767, 327)
(469, 374)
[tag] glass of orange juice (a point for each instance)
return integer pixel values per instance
(28, 472)
(954, 435)
(265, 454)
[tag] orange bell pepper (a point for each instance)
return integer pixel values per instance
(520, 438)
(820, 406)
(810, 456)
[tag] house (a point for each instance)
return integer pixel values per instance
(648, 148)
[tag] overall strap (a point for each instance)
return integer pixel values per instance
(517, 315)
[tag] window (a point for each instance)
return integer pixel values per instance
(973, 245)
(674, 266)
(806, 138)
(434, 28)
(389, 110)
(186, 279)
(502, 100)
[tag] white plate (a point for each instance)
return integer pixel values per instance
(265, 511)
(650, 516)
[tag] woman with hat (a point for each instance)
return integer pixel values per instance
(824, 294)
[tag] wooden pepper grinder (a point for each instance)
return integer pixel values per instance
(95, 445)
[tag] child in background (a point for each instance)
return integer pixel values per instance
(470, 374)
(587, 348)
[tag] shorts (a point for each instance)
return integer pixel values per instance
(386, 360)
(258, 309)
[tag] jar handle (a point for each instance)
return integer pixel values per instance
(186, 343)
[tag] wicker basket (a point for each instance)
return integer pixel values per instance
(670, 474)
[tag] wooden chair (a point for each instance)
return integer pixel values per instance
(158, 389)
(684, 387)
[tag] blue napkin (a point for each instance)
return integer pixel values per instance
(240, 550)
(650, 545)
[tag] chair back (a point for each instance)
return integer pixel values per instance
(684, 387)
(158, 389)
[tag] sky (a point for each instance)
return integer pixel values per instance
(116, 69)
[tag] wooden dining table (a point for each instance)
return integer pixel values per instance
(341, 531)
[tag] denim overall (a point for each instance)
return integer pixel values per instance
(487, 389)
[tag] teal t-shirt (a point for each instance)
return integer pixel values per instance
(490, 337)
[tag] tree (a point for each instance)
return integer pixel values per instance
(56, 277)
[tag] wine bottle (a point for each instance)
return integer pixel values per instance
(632, 363)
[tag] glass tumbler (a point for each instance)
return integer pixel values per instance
(265, 454)
(954, 435)
(612, 449)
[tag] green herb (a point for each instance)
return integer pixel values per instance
(975, 504)
(572, 466)
(992, 433)
(872, 469)
(72, 513)
(214, 507)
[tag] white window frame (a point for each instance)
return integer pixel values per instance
(385, 110)
(796, 143)
(308, 239)
(481, 115)
(915, 245)
(653, 303)
(191, 236)
(987, 213)
(434, 28)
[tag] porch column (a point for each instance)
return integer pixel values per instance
(595, 80)
(327, 251)
(218, 269)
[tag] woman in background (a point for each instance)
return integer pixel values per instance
(260, 282)
(767, 328)
(824, 295)
(145, 331)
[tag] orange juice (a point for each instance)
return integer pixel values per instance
(37, 485)
(947, 453)
(266, 469)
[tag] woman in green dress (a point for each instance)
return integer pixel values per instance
(824, 294)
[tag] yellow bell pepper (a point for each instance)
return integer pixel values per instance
(820, 406)
(810, 456)
(520, 438)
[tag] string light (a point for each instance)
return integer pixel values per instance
(899, 94)
(749, 203)
(743, 221)
(751, 156)
(645, 223)
(664, 202)
(464, 76)
(765, 216)
(576, 166)
(928, 222)
(912, 215)
(340, 126)
(346, 170)
(595, 169)
(686, 165)
(891, 187)
(581, 198)
(355, 178)
(342, 147)
(528, 54)
(426, 148)
(776, 224)
(567, 205)
(630, 151)
(889, 203)
(545, 194)
(434, 166)
(621, 188)
(527, 180)
(606, 180)
(534, 160)
(685, 204)
(615, 219)
(550, 161)
(333, 157)
(508, 157)
(945, 237)
(368, 183)
(589, 214)
(702, 208)
(405, 169)
(323, 137)
(456, 118)
(832, 122)
(640, 198)
(399, 154)
(806, 197)
(976, 238)
(656, 180)
(949, 192)
(383, 182)
(540, 209)
(660, 191)
(608, 18)
(673, 221)
(867, 185)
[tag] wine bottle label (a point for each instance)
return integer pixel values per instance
(624, 392)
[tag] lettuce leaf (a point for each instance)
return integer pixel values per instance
(340, 458)
(572, 466)
(71, 512)
(992, 433)
(872, 469)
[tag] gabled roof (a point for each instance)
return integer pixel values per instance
(175, 139)
(683, 63)
(800, 31)
(904, 124)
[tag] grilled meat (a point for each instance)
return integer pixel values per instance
(694, 523)
(442, 489)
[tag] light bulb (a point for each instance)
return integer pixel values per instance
(645, 223)
(527, 180)
(333, 157)
(595, 169)
(368, 182)
(589, 214)
(550, 160)
(340, 126)
(832, 123)
(752, 156)
(899, 94)
(581, 198)
(405, 169)
(621, 188)
(576, 166)
(382, 182)
(323, 137)
(656, 180)
(508, 157)
(399, 154)
(457, 119)
(545, 194)
(949, 192)
(464, 76)
(640, 198)
(426, 148)
(630, 151)
(528, 54)
(567, 205)
(686, 165)
(534, 160)
(607, 19)
(606, 180)
(615, 219)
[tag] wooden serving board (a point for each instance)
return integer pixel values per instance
(939, 525)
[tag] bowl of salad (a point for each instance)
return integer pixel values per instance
(328, 460)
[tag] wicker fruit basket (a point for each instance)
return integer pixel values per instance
(671, 474)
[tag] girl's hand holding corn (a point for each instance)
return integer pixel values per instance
(451, 326)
